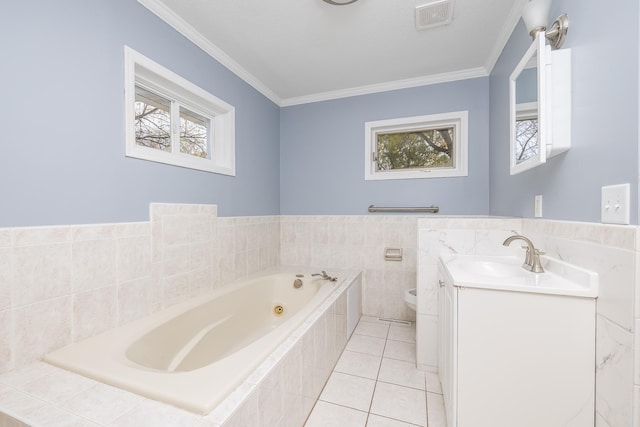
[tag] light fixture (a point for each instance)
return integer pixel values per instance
(340, 2)
(535, 15)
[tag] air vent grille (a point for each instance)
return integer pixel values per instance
(433, 14)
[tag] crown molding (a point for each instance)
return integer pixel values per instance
(176, 22)
(387, 86)
(510, 24)
(181, 26)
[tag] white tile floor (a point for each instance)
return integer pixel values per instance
(376, 384)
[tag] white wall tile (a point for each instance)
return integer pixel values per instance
(6, 340)
(271, 398)
(41, 235)
(427, 341)
(200, 282)
(51, 416)
(151, 413)
(175, 230)
(6, 237)
(41, 328)
(93, 264)
(133, 229)
(176, 260)
(133, 258)
(14, 401)
(6, 278)
(614, 373)
(176, 289)
(102, 403)
(94, 311)
(636, 406)
(636, 354)
(41, 272)
(427, 290)
(246, 415)
(93, 232)
(134, 300)
(616, 273)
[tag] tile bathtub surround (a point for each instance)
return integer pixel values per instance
(90, 278)
(59, 284)
(281, 391)
(358, 242)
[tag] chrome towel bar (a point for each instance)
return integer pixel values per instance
(426, 209)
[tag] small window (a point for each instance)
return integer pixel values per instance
(170, 120)
(417, 147)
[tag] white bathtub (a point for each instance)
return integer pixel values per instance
(194, 354)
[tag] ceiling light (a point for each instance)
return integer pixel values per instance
(340, 2)
(535, 15)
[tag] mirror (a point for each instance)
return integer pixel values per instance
(527, 109)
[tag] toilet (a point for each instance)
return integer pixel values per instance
(410, 298)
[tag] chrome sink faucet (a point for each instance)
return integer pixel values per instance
(532, 258)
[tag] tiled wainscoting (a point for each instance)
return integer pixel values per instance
(61, 284)
(358, 242)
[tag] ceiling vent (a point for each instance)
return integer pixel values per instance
(434, 14)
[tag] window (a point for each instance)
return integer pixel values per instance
(170, 120)
(416, 147)
(526, 131)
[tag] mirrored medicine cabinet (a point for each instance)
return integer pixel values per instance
(539, 106)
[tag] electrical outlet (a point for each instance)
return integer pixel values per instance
(538, 206)
(615, 204)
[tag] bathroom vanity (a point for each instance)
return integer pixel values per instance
(516, 348)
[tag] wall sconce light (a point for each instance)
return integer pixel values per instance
(535, 15)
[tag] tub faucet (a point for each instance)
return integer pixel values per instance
(532, 258)
(325, 276)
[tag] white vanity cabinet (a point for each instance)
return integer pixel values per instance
(515, 358)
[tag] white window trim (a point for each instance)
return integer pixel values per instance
(457, 119)
(142, 71)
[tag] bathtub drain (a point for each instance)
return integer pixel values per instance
(278, 310)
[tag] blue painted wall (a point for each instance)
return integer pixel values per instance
(62, 141)
(604, 43)
(322, 152)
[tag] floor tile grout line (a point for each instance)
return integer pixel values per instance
(375, 385)
(341, 405)
(381, 358)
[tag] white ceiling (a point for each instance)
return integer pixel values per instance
(297, 51)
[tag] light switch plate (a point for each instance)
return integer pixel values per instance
(615, 204)
(538, 206)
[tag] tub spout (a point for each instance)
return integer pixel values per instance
(325, 276)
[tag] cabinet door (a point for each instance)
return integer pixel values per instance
(524, 360)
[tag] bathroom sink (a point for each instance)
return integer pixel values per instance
(502, 267)
(506, 273)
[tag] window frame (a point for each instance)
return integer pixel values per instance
(146, 73)
(457, 119)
